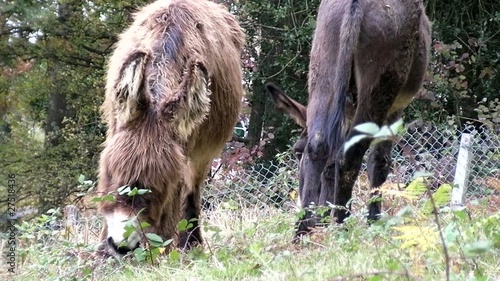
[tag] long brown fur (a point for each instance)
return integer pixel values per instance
(173, 94)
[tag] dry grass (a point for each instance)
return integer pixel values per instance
(254, 244)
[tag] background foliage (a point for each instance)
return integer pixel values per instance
(53, 55)
(52, 64)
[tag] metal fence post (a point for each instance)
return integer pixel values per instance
(461, 172)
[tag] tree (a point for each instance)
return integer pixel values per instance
(279, 35)
(52, 66)
(464, 70)
(51, 105)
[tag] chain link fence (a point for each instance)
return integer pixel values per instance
(275, 184)
(424, 147)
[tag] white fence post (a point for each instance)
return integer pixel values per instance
(461, 172)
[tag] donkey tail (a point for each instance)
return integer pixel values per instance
(349, 34)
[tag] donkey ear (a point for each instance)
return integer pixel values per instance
(130, 86)
(191, 103)
(287, 105)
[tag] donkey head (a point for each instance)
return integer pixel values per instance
(151, 115)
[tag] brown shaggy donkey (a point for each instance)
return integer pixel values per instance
(368, 61)
(173, 94)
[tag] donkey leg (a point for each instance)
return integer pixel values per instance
(328, 177)
(191, 237)
(379, 166)
(191, 208)
(373, 106)
(348, 170)
(312, 164)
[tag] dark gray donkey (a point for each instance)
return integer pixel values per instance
(368, 61)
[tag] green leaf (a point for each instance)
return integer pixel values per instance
(369, 128)
(128, 230)
(143, 191)
(384, 132)
(181, 226)
(397, 127)
(140, 212)
(184, 225)
(88, 182)
(140, 254)
(81, 179)
(461, 214)
(122, 190)
(450, 233)
(416, 188)
(491, 228)
(174, 255)
(144, 224)
(477, 248)
(109, 197)
(133, 192)
(442, 197)
(300, 214)
(153, 254)
(154, 239)
(352, 141)
(167, 242)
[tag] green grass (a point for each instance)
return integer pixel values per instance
(255, 244)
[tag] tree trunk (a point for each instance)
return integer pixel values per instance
(58, 104)
(258, 102)
(58, 109)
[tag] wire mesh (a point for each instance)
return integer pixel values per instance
(424, 147)
(421, 148)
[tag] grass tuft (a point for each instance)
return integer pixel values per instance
(255, 244)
